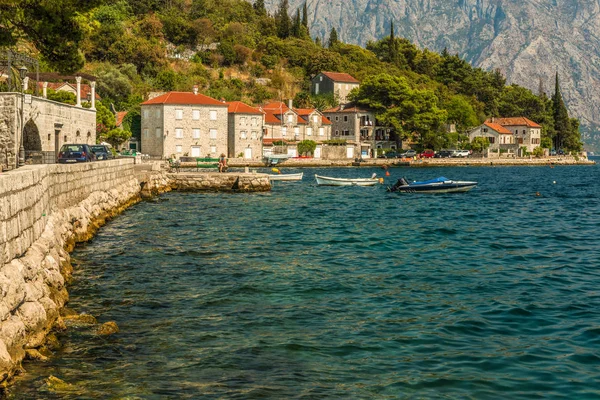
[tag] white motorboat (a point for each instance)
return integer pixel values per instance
(330, 181)
(286, 177)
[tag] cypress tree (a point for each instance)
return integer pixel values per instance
(284, 23)
(562, 125)
(333, 38)
(392, 46)
(305, 19)
(318, 42)
(297, 25)
(259, 7)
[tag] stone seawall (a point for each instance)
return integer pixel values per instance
(44, 211)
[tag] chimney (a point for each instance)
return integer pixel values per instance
(195, 90)
(341, 107)
(290, 103)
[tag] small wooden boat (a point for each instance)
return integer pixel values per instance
(329, 181)
(437, 185)
(286, 177)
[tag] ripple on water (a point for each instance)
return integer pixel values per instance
(310, 292)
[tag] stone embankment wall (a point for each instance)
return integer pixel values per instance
(44, 211)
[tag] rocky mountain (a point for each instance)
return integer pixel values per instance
(528, 40)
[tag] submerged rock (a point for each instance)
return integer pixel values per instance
(81, 318)
(108, 328)
(34, 354)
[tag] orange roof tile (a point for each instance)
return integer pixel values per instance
(276, 106)
(271, 118)
(340, 77)
(238, 107)
(185, 98)
(515, 121)
(498, 128)
(326, 121)
(119, 117)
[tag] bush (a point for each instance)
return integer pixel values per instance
(538, 151)
(306, 147)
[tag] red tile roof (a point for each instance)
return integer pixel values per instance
(515, 121)
(185, 98)
(237, 107)
(276, 106)
(271, 118)
(119, 117)
(340, 77)
(498, 128)
(326, 120)
(304, 111)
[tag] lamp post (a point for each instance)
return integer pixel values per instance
(22, 74)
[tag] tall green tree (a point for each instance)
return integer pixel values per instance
(392, 46)
(283, 21)
(333, 38)
(562, 124)
(305, 18)
(297, 25)
(259, 7)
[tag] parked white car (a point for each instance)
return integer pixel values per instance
(461, 153)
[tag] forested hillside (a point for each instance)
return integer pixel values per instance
(235, 50)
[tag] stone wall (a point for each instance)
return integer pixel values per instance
(44, 211)
(227, 182)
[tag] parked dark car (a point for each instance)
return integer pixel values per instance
(408, 154)
(443, 154)
(73, 153)
(389, 154)
(102, 152)
(427, 154)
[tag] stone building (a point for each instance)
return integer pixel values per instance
(340, 84)
(289, 125)
(178, 124)
(498, 136)
(245, 127)
(361, 130)
(523, 133)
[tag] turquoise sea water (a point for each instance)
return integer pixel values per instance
(344, 292)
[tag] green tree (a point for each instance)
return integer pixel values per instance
(333, 38)
(282, 18)
(116, 137)
(297, 25)
(259, 8)
(461, 113)
(62, 97)
(479, 144)
(306, 147)
(562, 124)
(305, 19)
(56, 28)
(411, 112)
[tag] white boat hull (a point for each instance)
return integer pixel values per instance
(329, 181)
(286, 177)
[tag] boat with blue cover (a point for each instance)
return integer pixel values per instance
(437, 185)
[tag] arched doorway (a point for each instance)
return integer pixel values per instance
(31, 137)
(32, 143)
